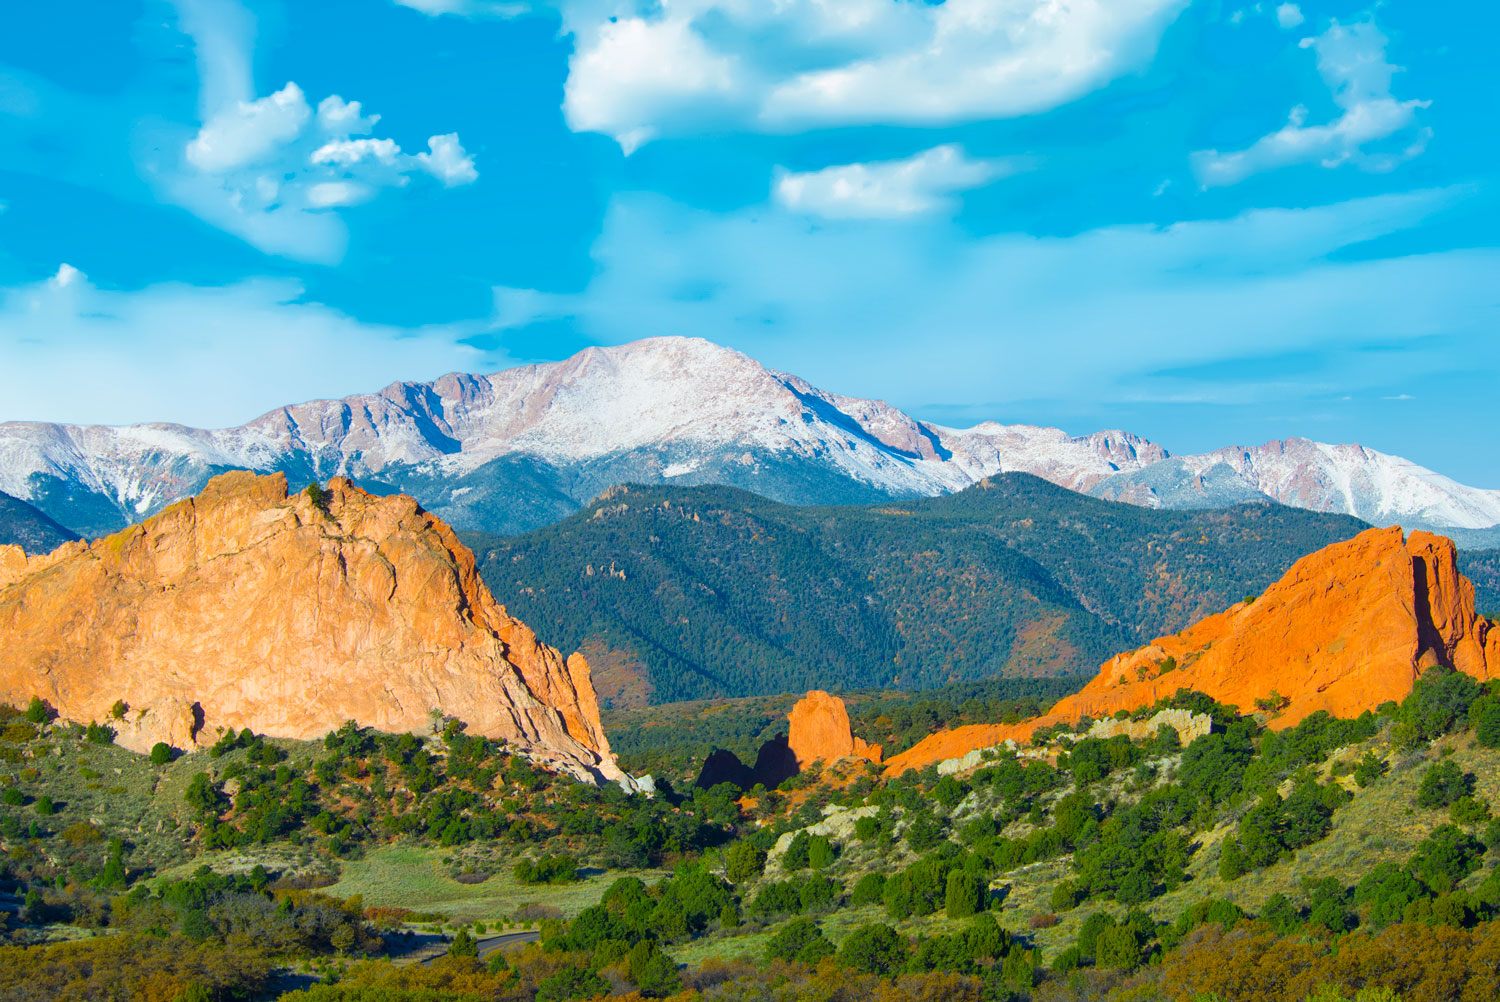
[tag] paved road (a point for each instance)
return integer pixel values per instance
(493, 943)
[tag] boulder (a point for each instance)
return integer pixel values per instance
(817, 731)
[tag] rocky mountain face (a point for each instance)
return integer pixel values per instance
(1370, 485)
(244, 607)
(818, 731)
(1346, 629)
(24, 526)
(524, 447)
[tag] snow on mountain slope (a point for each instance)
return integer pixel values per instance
(1370, 485)
(680, 409)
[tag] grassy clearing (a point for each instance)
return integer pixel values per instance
(408, 876)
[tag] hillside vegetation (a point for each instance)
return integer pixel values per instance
(691, 593)
(1341, 859)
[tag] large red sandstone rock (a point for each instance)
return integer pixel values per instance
(245, 608)
(1345, 629)
(818, 730)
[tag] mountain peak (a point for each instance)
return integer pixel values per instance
(520, 447)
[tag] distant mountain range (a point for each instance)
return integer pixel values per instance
(698, 592)
(527, 446)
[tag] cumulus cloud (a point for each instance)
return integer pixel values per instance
(249, 132)
(348, 152)
(1289, 15)
(885, 190)
(1351, 60)
(66, 275)
(446, 160)
(675, 67)
(202, 355)
(273, 169)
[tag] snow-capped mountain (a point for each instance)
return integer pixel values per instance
(525, 446)
(1376, 487)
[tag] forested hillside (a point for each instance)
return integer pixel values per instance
(1483, 568)
(24, 526)
(684, 593)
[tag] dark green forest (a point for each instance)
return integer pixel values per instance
(703, 592)
(1483, 568)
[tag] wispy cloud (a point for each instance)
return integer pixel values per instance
(863, 306)
(1351, 60)
(205, 355)
(467, 8)
(887, 189)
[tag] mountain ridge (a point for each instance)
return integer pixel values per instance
(516, 449)
(24, 525)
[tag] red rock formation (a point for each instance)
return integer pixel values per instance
(819, 731)
(1346, 629)
(245, 608)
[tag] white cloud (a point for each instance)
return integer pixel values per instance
(249, 132)
(348, 152)
(684, 65)
(335, 115)
(1289, 15)
(1351, 60)
(332, 194)
(271, 169)
(887, 189)
(206, 356)
(66, 275)
(638, 70)
(447, 161)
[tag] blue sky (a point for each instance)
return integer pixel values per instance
(1208, 223)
